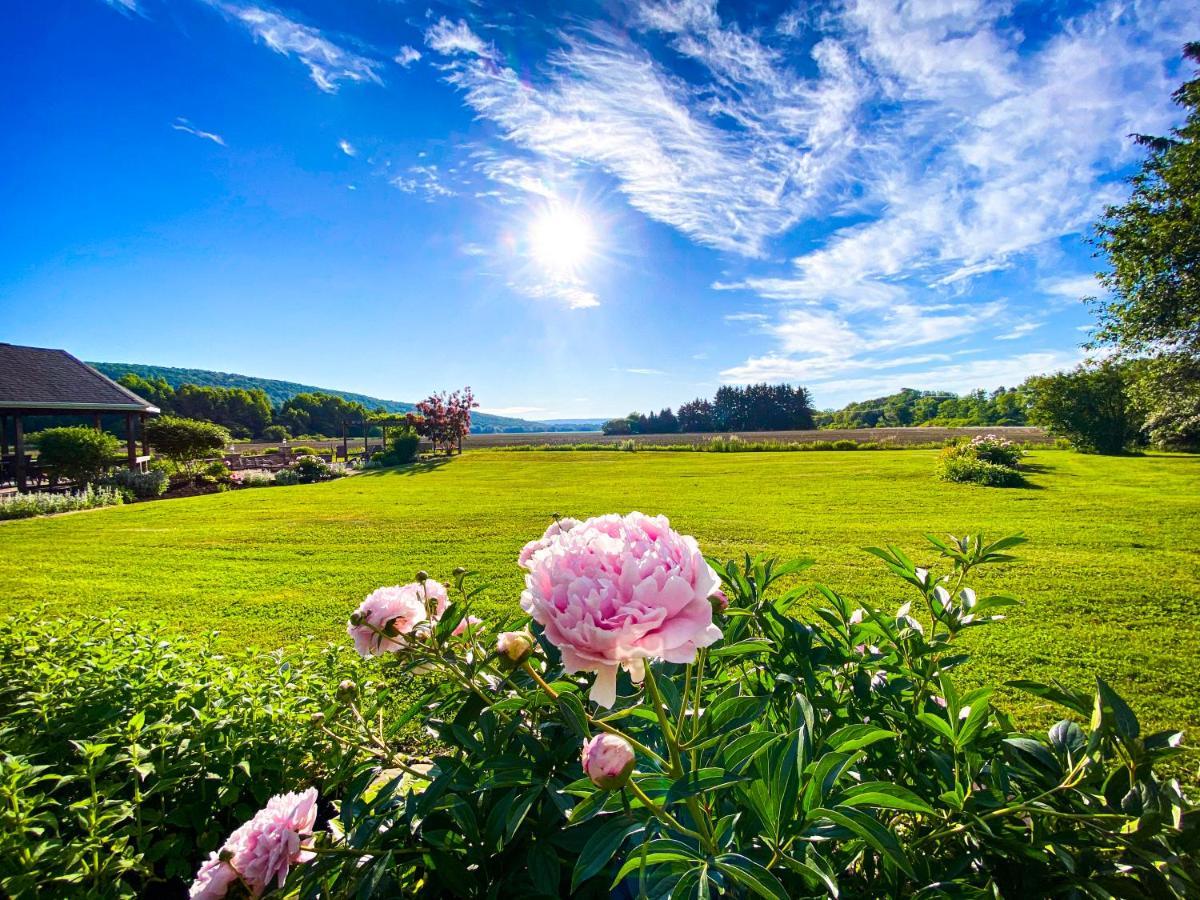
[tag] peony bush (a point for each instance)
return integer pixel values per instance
(985, 459)
(657, 724)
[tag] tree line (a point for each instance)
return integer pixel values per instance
(907, 407)
(755, 407)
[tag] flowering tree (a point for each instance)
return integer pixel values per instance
(746, 753)
(446, 418)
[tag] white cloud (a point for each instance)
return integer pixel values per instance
(182, 124)
(423, 180)
(1020, 330)
(605, 102)
(406, 57)
(125, 6)
(457, 39)
(346, 147)
(645, 371)
(757, 318)
(571, 293)
(328, 63)
(1074, 287)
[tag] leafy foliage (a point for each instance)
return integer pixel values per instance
(77, 453)
(1003, 406)
(841, 756)
(446, 418)
(984, 459)
(755, 407)
(185, 441)
(1165, 391)
(142, 485)
(126, 758)
(40, 503)
(1088, 406)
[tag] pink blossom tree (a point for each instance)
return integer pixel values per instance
(446, 418)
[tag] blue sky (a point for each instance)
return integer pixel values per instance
(578, 209)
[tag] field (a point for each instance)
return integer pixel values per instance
(1109, 582)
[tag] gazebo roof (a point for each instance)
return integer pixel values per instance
(37, 380)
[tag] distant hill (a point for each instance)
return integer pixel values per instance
(281, 391)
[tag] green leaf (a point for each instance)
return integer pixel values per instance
(741, 648)
(867, 828)
(974, 722)
(544, 868)
(588, 807)
(1072, 700)
(855, 737)
(884, 795)
(702, 781)
(751, 875)
(600, 847)
(938, 724)
(655, 853)
(1123, 719)
(571, 709)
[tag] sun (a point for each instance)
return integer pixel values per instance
(561, 239)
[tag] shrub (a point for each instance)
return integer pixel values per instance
(1088, 406)
(142, 485)
(312, 468)
(303, 450)
(993, 449)
(285, 477)
(184, 441)
(36, 503)
(968, 469)
(842, 753)
(257, 479)
(77, 453)
(276, 433)
(402, 448)
(845, 444)
(125, 758)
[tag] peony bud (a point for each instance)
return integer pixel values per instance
(458, 570)
(422, 576)
(317, 718)
(347, 690)
(608, 761)
(515, 646)
(719, 601)
(857, 616)
(470, 622)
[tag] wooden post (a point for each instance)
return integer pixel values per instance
(366, 437)
(131, 440)
(345, 442)
(96, 421)
(145, 437)
(3, 435)
(20, 441)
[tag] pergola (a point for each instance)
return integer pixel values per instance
(35, 381)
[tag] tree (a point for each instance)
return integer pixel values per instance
(76, 453)
(184, 441)
(696, 416)
(320, 413)
(1152, 246)
(276, 433)
(446, 417)
(616, 426)
(1087, 406)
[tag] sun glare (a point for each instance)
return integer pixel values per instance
(561, 239)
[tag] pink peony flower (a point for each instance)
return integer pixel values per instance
(608, 761)
(558, 527)
(261, 850)
(618, 590)
(389, 612)
(469, 622)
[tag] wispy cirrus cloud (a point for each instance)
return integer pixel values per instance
(347, 148)
(128, 7)
(182, 124)
(328, 62)
(604, 101)
(407, 56)
(424, 180)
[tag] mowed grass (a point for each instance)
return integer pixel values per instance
(1108, 582)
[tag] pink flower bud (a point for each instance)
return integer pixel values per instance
(608, 761)
(515, 646)
(857, 616)
(719, 601)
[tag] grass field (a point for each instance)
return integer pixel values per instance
(1109, 583)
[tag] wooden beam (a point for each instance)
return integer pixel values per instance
(96, 421)
(3, 435)
(145, 437)
(131, 441)
(20, 441)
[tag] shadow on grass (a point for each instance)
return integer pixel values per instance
(417, 468)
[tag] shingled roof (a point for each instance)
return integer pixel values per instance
(38, 380)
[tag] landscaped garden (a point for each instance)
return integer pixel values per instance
(1104, 587)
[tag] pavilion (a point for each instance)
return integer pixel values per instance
(35, 381)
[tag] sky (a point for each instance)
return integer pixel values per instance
(577, 209)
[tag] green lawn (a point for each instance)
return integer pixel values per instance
(1109, 582)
